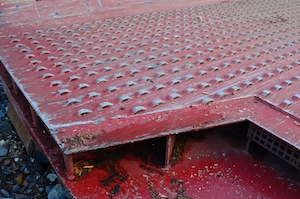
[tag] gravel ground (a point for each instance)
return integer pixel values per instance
(22, 176)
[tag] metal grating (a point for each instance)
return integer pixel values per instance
(274, 145)
(94, 80)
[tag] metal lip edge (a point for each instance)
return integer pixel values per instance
(34, 105)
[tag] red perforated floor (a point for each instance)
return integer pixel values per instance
(101, 74)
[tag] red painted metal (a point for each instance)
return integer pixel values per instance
(204, 171)
(105, 73)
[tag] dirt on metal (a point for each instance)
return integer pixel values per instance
(178, 149)
(77, 141)
(136, 71)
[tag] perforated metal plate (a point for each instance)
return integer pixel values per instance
(277, 147)
(123, 74)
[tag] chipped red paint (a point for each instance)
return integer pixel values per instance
(106, 73)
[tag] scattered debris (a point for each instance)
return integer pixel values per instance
(178, 149)
(82, 167)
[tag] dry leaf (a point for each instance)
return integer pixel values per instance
(19, 179)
